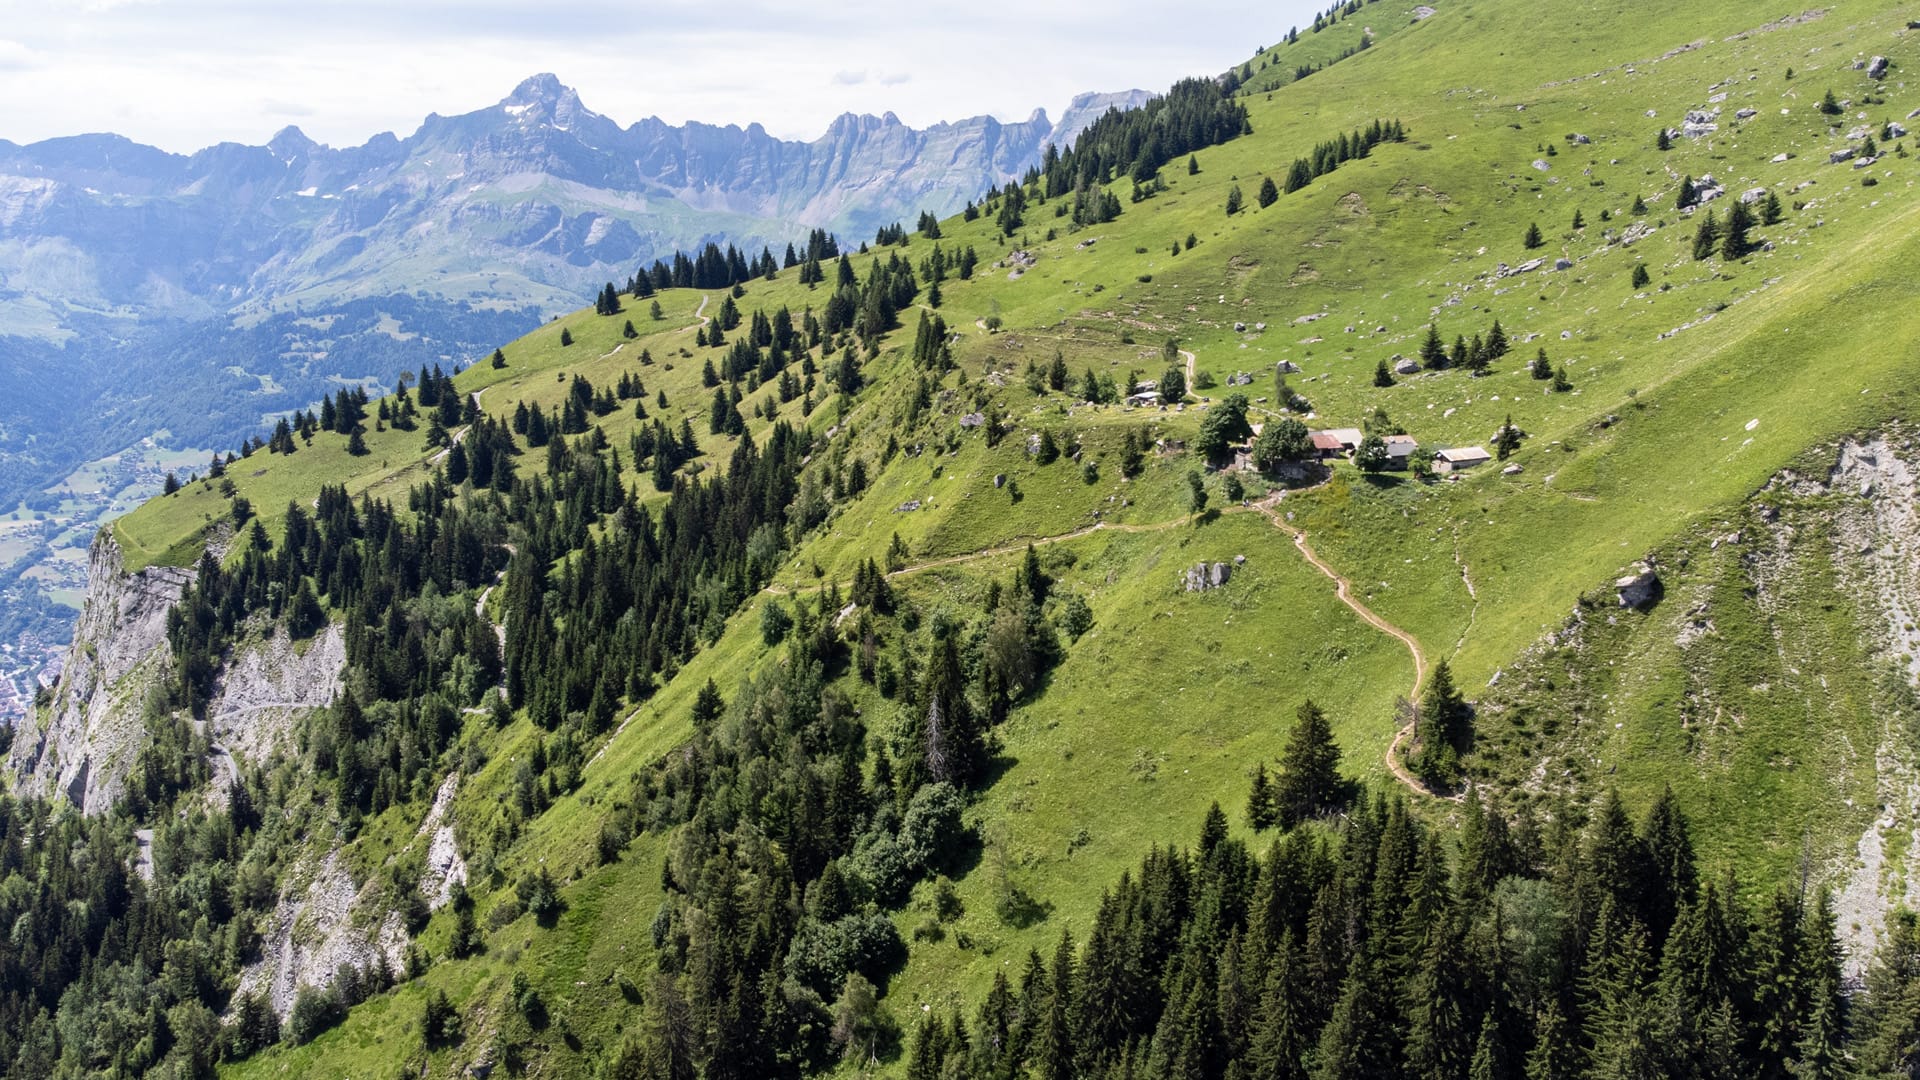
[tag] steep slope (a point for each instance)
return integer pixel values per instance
(143, 292)
(1752, 688)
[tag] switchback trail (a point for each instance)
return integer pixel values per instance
(1342, 588)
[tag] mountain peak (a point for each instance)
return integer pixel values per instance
(290, 142)
(544, 99)
(542, 89)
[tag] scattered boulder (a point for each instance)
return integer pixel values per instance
(1206, 576)
(1839, 156)
(1512, 470)
(1639, 230)
(1778, 158)
(1864, 162)
(1406, 366)
(1896, 130)
(1563, 264)
(1541, 164)
(973, 420)
(1753, 195)
(1239, 328)
(1877, 68)
(1746, 114)
(1638, 590)
(999, 480)
(1581, 140)
(1700, 122)
(907, 507)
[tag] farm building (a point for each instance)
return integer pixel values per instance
(1465, 457)
(1350, 438)
(1400, 450)
(1326, 445)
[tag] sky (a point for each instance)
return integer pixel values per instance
(184, 74)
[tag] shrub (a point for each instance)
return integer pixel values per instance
(439, 1021)
(314, 1011)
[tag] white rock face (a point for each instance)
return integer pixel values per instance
(265, 685)
(445, 867)
(119, 650)
(314, 932)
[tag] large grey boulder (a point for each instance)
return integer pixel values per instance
(1638, 590)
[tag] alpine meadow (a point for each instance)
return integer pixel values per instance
(1397, 559)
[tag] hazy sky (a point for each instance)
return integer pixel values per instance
(183, 74)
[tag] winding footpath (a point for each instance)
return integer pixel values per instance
(1343, 589)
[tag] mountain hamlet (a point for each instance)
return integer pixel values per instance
(1397, 559)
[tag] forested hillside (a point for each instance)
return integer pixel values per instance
(1390, 561)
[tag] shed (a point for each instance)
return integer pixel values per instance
(1326, 444)
(1400, 450)
(1465, 457)
(1350, 438)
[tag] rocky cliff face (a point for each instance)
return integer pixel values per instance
(96, 727)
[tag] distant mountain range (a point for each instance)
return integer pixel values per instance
(142, 290)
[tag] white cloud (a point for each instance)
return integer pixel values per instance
(189, 73)
(15, 56)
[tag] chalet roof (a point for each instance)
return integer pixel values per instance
(1465, 455)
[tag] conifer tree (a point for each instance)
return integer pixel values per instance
(1737, 245)
(1552, 1056)
(1309, 783)
(1269, 194)
(500, 357)
(1533, 239)
(1433, 352)
(1640, 276)
(1233, 200)
(1770, 210)
(1263, 811)
(1707, 237)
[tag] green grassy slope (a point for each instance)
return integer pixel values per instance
(1163, 706)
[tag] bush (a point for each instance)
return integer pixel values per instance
(1076, 618)
(439, 1021)
(823, 954)
(314, 1011)
(541, 897)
